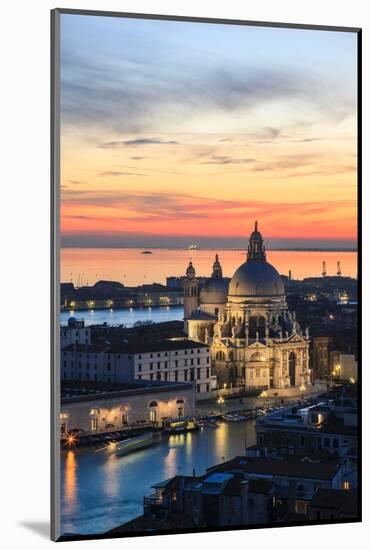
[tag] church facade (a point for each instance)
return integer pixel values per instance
(255, 341)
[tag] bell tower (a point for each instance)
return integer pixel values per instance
(217, 269)
(190, 287)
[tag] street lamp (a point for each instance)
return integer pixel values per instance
(220, 402)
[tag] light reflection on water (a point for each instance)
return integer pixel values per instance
(130, 267)
(125, 317)
(70, 490)
(100, 491)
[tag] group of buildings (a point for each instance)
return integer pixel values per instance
(302, 469)
(114, 295)
(238, 334)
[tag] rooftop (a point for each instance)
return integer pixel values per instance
(73, 391)
(288, 466)
(343, 501)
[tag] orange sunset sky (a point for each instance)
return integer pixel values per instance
(176, 133)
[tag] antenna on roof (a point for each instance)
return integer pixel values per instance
(324, 269)
(339, 270)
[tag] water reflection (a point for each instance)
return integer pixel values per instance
(101, 490)
(171, 463)
(111, 483)
(70, 481)
(133, 268)
(222, 441)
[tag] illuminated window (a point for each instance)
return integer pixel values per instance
(94, 424)
(346, 486)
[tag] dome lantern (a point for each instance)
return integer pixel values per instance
(256, 249)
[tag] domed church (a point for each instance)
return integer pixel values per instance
(255, 341)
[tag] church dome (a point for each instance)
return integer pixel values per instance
(214, 291)
(256, 278)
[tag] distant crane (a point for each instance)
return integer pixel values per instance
(324, 269)
(339, 270)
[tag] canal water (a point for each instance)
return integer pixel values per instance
(127, 317)
(101, 491)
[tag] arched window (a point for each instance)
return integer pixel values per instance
(152, 411)
(180, 400)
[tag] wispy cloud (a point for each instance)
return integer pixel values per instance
(136, 142)
(113, 173)
(220, 159)
(177, 206)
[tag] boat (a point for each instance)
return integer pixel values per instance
(193, 247)
(147, 252)
(135, 443)
(180, 426)
(232, 417)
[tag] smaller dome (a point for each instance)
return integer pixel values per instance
(214, 291)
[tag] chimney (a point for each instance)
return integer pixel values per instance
(289, 274)
(339, 270)
(324, 269)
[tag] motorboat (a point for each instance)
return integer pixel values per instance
(135, 443)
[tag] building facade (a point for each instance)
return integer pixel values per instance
(255, 341)
(93, 408)
(179, 360)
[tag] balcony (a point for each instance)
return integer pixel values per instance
(153, 501)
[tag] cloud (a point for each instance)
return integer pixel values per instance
(156, 206)
(136, 142)
(113, 173)
(124, 93)
(305, 140)
(218, 159)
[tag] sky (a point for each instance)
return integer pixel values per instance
(176, 133)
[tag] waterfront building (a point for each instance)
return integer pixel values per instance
(295, 479)
(319, 430)
(114, 295)
(121, 356)
(255, 340)
(213, 500)
(242, 491)
(75, 332)
(90, 407)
